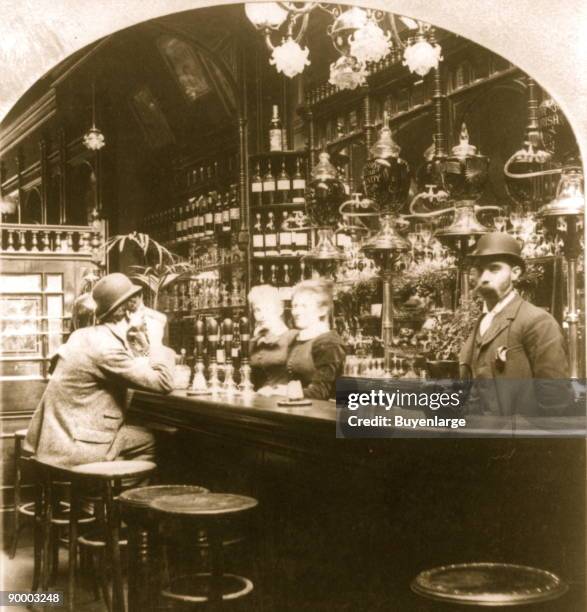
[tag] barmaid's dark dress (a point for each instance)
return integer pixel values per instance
(268, 357)
(317, 363)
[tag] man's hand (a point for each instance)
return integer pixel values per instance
(138, 340)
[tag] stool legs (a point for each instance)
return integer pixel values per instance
(38, 535)
(73, 518)
(47, 516)
(17, 477)
(217, 565)
(142, 592)
(112, 545)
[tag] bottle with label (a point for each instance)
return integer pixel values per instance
(285, 289)
(271, 237)
(193, 218)
(275, 131)
(217, 213)
(200, 223)
(209, 216)
(225, 214)
(268, 186)
(285, 246)
(298, 185)
(258, 237)
(300, 240)
(282, 194)
(235, 211)
(257, 186)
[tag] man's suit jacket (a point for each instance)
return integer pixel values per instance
(82, 408)
(533, 379)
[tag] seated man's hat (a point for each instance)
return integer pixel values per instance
(111, 291)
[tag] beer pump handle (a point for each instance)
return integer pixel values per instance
(200, 340)
(212, 329)
(245, 337)
(227, 336)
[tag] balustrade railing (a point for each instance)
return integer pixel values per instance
(50, 239)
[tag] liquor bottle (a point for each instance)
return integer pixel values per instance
(226, 214)
(200, 204)
(271, 237)
(178, 218)
(285, 289)
(282, 195)
(273, 279)
(285, 247)
(268, 186)
(300, 240)
(258, 238)
(209, 216)
(217, 213)
(260, 277)
(202, 179)
(298, 185)
(257, 186)
(235, 210)
(275, 133)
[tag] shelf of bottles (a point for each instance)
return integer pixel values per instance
(280, 234)
(206, 206)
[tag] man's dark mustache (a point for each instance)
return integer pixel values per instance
(484, 290)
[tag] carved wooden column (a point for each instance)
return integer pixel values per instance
(438, 97)
(62, 177)
(44, 179)
(19, 166)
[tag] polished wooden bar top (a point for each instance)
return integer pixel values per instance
(255, 413)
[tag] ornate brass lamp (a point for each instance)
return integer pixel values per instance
(530, 173)
(324, 195)
(387, 181)
(569, 203)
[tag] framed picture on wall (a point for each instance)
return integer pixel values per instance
(151, 118)
(186, 65)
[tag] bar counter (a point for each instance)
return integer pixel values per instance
(347, 524)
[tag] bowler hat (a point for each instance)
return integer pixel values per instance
(111, 291)
(498, 245)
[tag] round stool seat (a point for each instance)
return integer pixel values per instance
(141, 497)
(488, 584)
(114, 469)
(96, 539)
(197, 588)
(203, 505)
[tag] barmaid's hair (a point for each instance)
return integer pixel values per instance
(262, 294)
(321, 288)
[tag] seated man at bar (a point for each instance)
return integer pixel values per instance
(271, 340)
(80, 418)
(514, 342)
(317, 355)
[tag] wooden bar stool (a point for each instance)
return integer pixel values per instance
(212, 513)
(145, 558)
(107, 477)
(21, 454)
(489, 585)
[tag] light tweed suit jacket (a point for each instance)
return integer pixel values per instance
(82, 409)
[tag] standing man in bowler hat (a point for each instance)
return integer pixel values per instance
(514, 341)
(80, 418)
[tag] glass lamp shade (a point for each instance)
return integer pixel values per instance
(265, 14)
(344, 26)
(325, 193)
(94, 139)
(466, 170)
(531, 191)
(570, 194)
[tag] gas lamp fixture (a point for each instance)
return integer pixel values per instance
(356, 34)
(94, 139)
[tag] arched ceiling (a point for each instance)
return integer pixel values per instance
(544, 38)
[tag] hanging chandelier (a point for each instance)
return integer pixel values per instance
(94, 139)
(356, 33)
